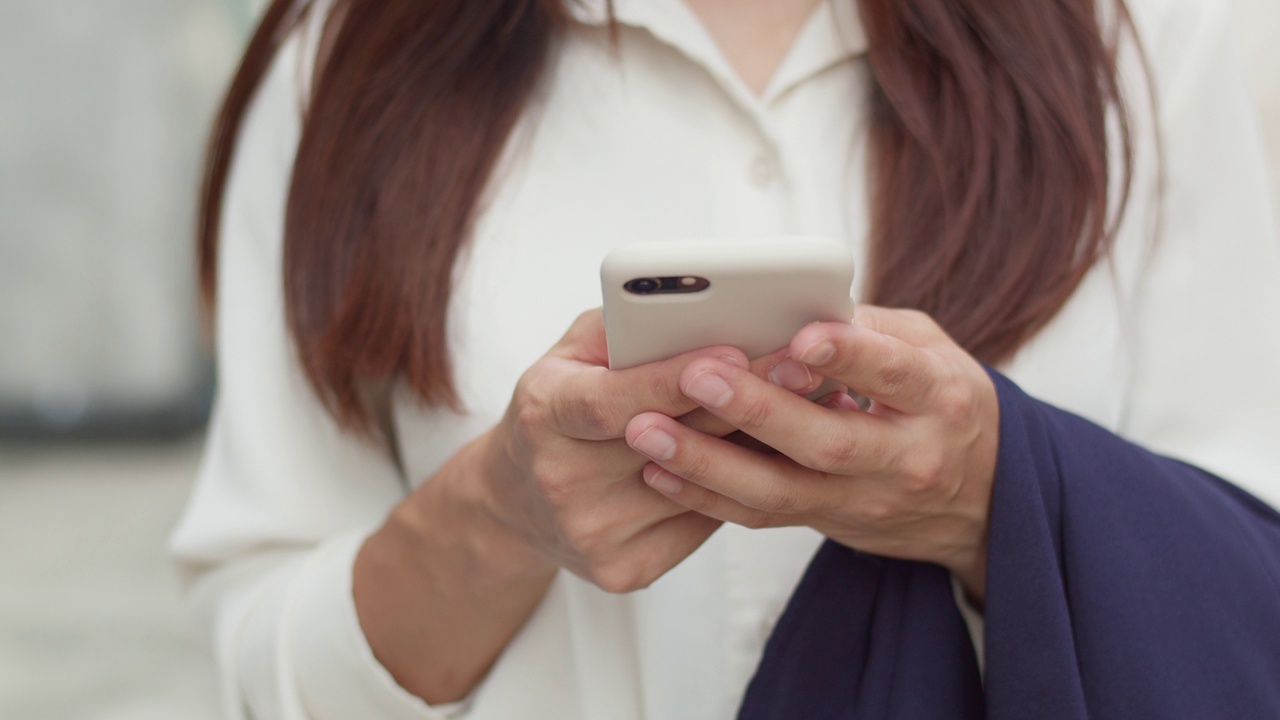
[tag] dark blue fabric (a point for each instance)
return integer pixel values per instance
(1120, 585)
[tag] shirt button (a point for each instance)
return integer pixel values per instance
(763, 171)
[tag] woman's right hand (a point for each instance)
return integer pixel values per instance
(559, 474)
(455, 571)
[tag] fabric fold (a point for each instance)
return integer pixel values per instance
(1120, 584)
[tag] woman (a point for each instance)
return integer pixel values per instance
(407, 509)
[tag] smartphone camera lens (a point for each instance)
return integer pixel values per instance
(643, 286)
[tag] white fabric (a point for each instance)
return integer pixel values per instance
(1174, 344)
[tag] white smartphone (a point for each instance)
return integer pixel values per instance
(662, 299)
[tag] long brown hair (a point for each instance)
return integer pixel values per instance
(989, 169)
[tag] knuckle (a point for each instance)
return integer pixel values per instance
(587, 318)
(894, 375)
(532, 383)
(955, 400)
(555, 486)
(834, 451)
(757, 520)
(753, 413)
(778, 497)
(918, 317)
(585, 533)
(918, 322)
(619, 576)
(590, 414)
(875, 511)
(532, 417)
(532, 410)
(923, 470)
(583, 325)
(694, 466)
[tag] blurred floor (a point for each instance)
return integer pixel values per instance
(91, 627)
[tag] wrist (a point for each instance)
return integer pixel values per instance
(440, 590)
(458, 508)
(970, 570)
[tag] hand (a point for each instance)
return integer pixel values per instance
(910, 477)
(557, 472)
(460, 564)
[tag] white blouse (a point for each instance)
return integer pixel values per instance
(1173, 343)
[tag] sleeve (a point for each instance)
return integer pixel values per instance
(1205, 384)
(284, 498)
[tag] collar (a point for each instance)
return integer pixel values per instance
(832, 35)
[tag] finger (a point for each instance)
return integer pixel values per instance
(603, 481)
(821, 438)
(612, 517)
(771, 483)
(653, 552)
(778, 368)
(595, 403)
(594, 515)
(616, 456)
(744, 440)
(705, 502)
(882, 367)
(912, 326)
(841, 401)
(700, 420)
(584, 341)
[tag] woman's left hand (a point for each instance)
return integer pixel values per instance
(910, 477)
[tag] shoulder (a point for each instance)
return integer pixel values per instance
(1178, 15)
(1174, 30)
(1187, 48)
(281, 96)
(268, 135)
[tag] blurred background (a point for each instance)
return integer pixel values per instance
(104, 383)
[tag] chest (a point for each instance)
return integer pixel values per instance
(646, 145)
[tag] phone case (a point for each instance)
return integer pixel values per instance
(760, 293)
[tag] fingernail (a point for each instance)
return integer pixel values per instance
(664, 482)
(791, 375)
(656, 444)
(709, 389)
(818, 353)
(735, 361)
